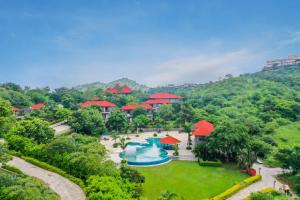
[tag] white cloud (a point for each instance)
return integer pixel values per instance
(201, 68)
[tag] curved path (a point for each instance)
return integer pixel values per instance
(268, 180)
(66, 189)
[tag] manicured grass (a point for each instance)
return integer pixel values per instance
(288, 136)
(189, 180)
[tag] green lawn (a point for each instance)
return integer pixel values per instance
(288, 136)
(189, 180)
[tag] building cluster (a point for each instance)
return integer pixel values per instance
(150, 105)
(280, 63)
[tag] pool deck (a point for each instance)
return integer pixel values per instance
(184, 154)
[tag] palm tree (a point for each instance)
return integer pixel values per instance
(187, 127)
(122, 142)
(114, 135)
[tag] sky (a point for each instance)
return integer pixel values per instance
(70, 42)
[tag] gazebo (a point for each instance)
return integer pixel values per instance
(168, 142)
(202, 130)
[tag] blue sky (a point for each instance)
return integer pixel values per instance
(70, 42)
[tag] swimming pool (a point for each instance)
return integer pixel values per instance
(149, 153)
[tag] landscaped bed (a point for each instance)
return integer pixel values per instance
(189, 180)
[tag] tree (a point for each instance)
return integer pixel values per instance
(4, 156)
(67, 101)
(88, 121)
(167, 126)
(63, 114)
(139, 111)
(246, 158)
(117, 121)
(187, 127)
(141, 121)
(289, 158)
(166, 112)
(122, 142)
(6, 117)
(36, 129)
(114, 135)
(109, 188)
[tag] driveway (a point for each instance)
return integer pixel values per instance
(66, 189)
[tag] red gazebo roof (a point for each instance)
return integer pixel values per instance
(111, 90)
(157, 101)
(99, 103)
(169, 140)
(126, 90)
(37, 106)
(135, 106)
(203, 128)
(164, 96)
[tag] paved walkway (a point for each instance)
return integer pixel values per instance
(66, 189)
(268, 179)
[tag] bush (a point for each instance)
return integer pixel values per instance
(154, 135)
(51, 168)
(210, 163)
(266, 190)
(297, 183)
(115, 145)
(234, 189)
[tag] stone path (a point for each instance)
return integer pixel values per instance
(66, 189)
(268, 179)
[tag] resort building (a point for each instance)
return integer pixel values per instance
(156, 103)
(128, 109)
(279, 63)
(106, 106)
(172, 98)
(202, 130)
(117, 89)
(168, 142)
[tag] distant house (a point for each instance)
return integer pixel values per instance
(172, 98)
(37, 106)
(156, 103)
(280, 63)
(16, 111)
(128, 109)
(202, 130)
(117, 89)
(106, 106)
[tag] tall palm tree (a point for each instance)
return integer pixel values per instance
(187, 128)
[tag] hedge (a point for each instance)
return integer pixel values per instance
(12, 169)
(210, 163)
(266, 190)
(234, 189)
(51, 168)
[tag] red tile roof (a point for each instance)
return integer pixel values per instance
(203, 128)
(111, 90)
(126, 90)
(37, 106)
(157, 101)
(135, 106)
(169, 140)
(164, 96)
(99, 103)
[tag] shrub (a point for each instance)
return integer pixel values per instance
(210, 163)
(154, 135)
(297, 183)
(51, 168)
(12, 169)
(266, 190)
(234, 189)
(115, 145)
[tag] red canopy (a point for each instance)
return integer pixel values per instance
(126, 90)
(169, 140)
(203, 128)
(99, 103)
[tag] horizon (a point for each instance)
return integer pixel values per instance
(155, 43)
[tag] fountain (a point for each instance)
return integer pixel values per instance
(145, 154)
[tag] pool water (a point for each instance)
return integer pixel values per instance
(150, 153)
